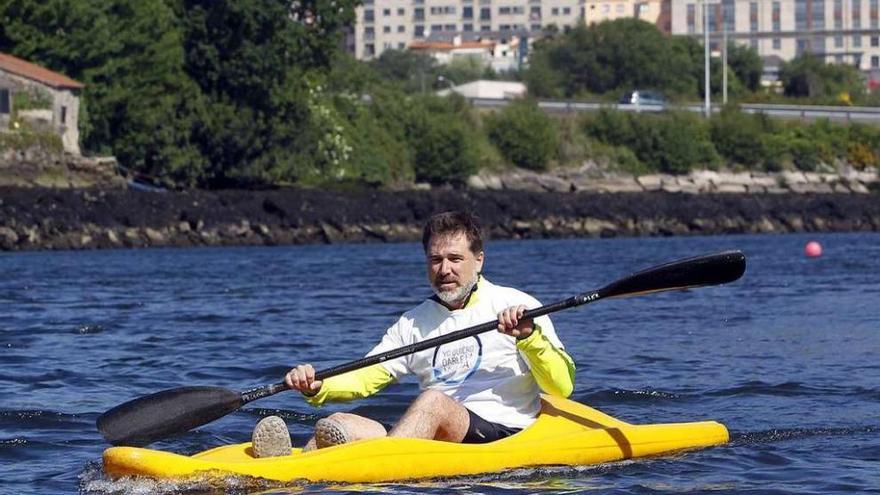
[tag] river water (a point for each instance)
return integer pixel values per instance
(787, 357)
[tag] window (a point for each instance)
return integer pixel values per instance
(535, 27)
(691, 18)
(875, 41)
(369, 33)
(419, 31)
(386, 29)
(386, 12)
(754, 43)
(443, 10)
(4, 101)
(436, 28)
(485, 28)
(728, 13)
(467, 13)
(369, 15)
(504, 27)
(753, 16)
(619, 8)
(838, 42)
(401, 29)
(776, 16)
(857, 41)
(504, 10)
(856, 14)
(566, 10)
(818, 11)
(875, 61)
(872, 13)
(838, 59)
(401, 11)
(838, 14)
(370, 49)
(535, 13)
(467, 28)
(800, 16)
(450, 27)
(485, 14)
(419, 14)
(777, 44)
(401, 46)
(554, 11)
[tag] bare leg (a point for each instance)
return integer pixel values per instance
(434, 416)
(356, 428)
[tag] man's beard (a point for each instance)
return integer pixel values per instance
(455, 296)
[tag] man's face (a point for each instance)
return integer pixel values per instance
(452, 268)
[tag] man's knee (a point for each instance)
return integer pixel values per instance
(433, 399)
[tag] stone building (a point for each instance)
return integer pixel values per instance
(53, 97)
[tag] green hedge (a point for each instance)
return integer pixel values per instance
(524, 134)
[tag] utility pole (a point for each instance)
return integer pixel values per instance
(724, 63)
(707, 103)
(707, 88)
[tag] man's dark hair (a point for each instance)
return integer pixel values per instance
(451, 223)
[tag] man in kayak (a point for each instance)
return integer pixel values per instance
(474, 390)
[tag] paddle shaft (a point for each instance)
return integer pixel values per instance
(261, 392)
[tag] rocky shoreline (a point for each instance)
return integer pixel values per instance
(34, 218)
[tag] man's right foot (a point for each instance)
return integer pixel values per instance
(271, 438)
(330, 432)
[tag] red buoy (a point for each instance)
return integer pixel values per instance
(813, 249)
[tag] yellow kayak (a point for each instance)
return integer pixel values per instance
(566, 433)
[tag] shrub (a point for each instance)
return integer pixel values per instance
(737, 137)
(672, 143)
(524, 134)
(805, 154)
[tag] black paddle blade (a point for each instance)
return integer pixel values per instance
(146, 419)
(711, 269)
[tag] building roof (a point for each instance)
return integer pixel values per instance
(443, 46)
(34, 72)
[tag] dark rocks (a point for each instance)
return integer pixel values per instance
(98, 219)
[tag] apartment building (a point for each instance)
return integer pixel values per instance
(396, 24)
(839, 31)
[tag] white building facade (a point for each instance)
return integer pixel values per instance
(395, 24)
(839, 31)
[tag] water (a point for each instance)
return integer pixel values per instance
(786, 357)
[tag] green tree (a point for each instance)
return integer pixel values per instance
(524, 134)
(613, 56)
(138, 102)
(745, 62)
(807, 76)
(738, 136)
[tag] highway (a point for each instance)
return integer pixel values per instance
(867, 115)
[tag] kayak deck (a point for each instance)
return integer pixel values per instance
(566, 433)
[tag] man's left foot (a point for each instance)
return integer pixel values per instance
(271, 438)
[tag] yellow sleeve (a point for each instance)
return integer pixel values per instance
(552, 368)
(352, 385)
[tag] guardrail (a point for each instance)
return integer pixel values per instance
(799, 112)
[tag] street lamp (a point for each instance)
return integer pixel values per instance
(707, 105)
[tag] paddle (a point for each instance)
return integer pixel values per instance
(152, 417)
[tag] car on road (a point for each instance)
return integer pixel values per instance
(651, 100)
